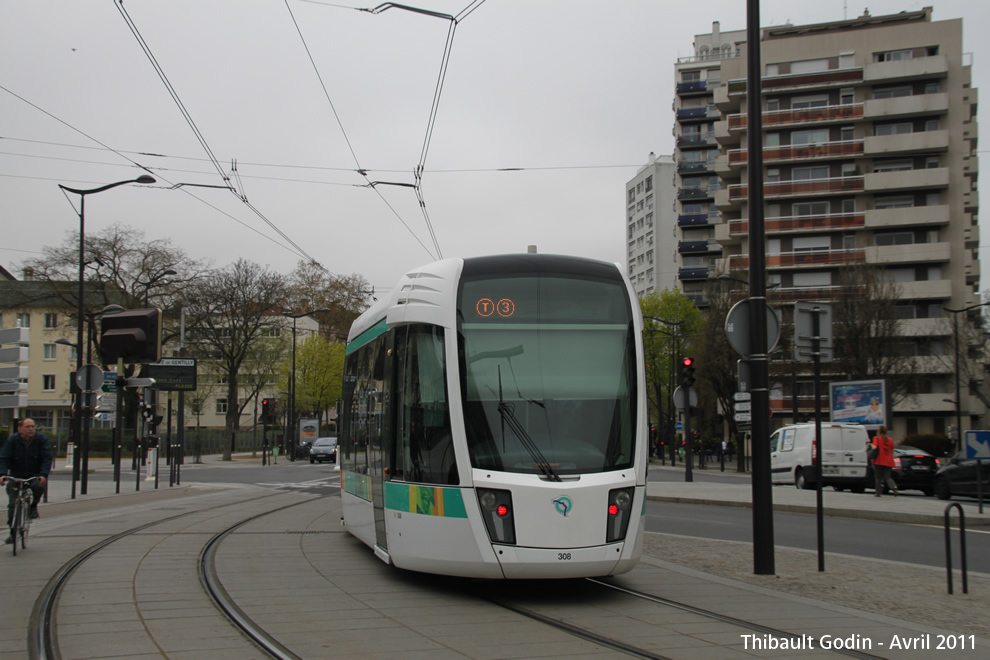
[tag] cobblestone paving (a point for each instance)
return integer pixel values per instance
(904, 591)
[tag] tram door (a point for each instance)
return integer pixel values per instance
(378, 415)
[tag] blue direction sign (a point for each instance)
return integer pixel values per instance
(679, 426)
(978, 445)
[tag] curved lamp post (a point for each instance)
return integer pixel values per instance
(77, 419)
(955, 340)
(291, 449)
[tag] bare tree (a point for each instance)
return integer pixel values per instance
(313, 287)
(232, 311)
(867, 335)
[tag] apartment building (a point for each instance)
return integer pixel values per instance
(651, 255)
(870, 137)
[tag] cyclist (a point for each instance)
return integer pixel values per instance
(25, 454)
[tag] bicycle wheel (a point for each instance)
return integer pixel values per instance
(15, 526)
(25, 522)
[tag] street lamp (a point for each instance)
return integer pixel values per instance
(77, 420)
(955, 337)
(292, 385)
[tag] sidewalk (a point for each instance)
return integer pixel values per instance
(908, 507)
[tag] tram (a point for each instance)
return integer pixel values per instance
(494, 420)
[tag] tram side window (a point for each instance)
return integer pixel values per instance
(425, 452)
(362, 409)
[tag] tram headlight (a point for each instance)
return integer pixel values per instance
(496, 509)
(619, 511)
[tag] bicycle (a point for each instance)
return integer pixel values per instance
(21, 519)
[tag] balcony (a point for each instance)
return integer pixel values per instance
(696, 193)
(692, 87)
(698, 219)
(906, 106)
(915, 215)
(695, 166)
(936, 177)
(693, 140)
(693, 274)
(696, 114)
(773, 119)
(835, 77)
(800, 223)
(838, 184)
(915, 253)
(922, 141)
(937, 289)
(929, 403)
(802, 151)
(804, 258)
(698, 247)
(935, 66)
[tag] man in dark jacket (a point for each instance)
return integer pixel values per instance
(25, 454)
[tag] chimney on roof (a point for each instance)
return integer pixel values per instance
(28, 273)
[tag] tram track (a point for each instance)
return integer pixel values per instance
(43, 641)
(624, 646)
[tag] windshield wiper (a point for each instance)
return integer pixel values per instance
(509, 417)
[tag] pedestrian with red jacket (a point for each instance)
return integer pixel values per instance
(884, 462)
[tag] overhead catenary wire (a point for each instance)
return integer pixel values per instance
(199, 136)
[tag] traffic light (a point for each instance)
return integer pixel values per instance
(687, 372)
(266, 410)
(134, 336)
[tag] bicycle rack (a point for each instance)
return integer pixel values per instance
(962, 547)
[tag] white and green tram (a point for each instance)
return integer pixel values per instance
(494, 420)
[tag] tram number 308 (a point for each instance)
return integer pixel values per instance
(563, 556)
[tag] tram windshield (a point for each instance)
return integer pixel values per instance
(548, 373)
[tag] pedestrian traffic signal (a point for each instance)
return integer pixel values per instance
(265, 410)
(687, 372)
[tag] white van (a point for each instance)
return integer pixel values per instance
(843, 456)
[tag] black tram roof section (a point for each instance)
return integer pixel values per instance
(503, 265)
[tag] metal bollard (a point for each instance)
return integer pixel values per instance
(962, 547)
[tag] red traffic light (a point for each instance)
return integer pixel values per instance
(687, 362)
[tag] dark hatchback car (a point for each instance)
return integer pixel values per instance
(324, 449)
(958, 477)
(914, 469)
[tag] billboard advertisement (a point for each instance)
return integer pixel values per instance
(859, 402)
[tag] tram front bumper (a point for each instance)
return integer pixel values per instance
(520, 563)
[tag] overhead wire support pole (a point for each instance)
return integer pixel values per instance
(763, 547)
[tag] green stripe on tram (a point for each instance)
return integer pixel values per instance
(371, 333)
(428, 500)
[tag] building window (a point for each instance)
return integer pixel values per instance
(809, 173)
(847, 96)
(847, 133)
(893, 165)
(49, 351)
(24, 320)
(51, 320)
(900, 202)
(649, 183)
(931, 124)
(221, 406)
(809, 66)
(931, 88)
(809, 208)
(809, 101)
(895, 238)
(48, 383)
(632, 195)
(271, 332)
(893, 55)
(899, 128)
(932, 162)
(892, 92)
(849, 206)
(691, 76)
(773, 69)
(812, 136)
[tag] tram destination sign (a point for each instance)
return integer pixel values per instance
(173, 374)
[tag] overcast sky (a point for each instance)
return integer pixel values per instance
(575, 93)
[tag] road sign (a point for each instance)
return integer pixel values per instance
(678, 426)
(743, 406)
(737, 328)
(978, 445)
(804, 333)
(173, 374)
(679, 398)
(89, 378)
(744, 417)
(742, 396)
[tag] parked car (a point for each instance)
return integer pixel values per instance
(958, 477)
(324, 449)
(914, 469)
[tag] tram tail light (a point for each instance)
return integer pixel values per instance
(496, 509)
(620, 502)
